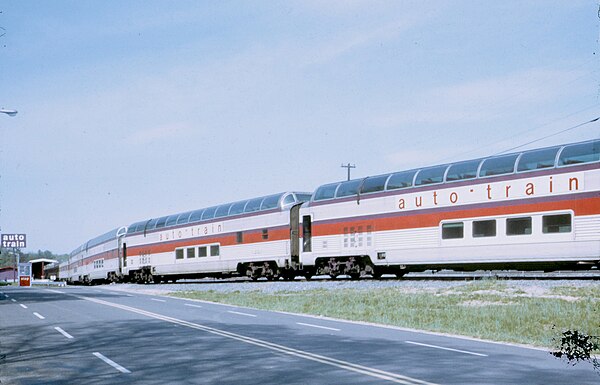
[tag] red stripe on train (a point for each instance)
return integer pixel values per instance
(587, 206)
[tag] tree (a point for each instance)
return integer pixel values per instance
(575, 346)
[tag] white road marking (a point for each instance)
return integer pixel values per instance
(443, 348)
(6, 295)
(39, 315)
(14, 300)
(158, 300)
(372, 372)
(23, 306)
(318, 326)
(55, 291)
(240, 313)
(191, 305)
(129, 295)
(64, 333)
(111, 363)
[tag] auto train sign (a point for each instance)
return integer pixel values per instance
(17, 241)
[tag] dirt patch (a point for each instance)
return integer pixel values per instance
(476, 303)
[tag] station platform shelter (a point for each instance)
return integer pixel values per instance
(38, 266)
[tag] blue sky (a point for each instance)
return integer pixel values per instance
(136, 109)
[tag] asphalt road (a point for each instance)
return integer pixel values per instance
(76, 335)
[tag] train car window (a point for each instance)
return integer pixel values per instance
(270, 202)
(518, 226)
(498, 166)
(463, 171)
(430, 175)
(183, 218)
(556, 223)
(400, 180)
(485, 228)
(150, 225)
(303, 197)
(209, 213)
(288, 200)
(265, 234)
(253, 205)
(237, 208)
(223, 210)
(453, 230)
(580, 153)
(191, 252)
(374, 184)
(136, 227)
(538, 159)
(196, 216)
(348, 188)
(171, 220)
(202, 251)
(214, 251)
(239, 237)
(178, 253)
(326, 192)
(160, 223)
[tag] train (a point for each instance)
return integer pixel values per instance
(531, 210)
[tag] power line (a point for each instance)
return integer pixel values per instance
(521, 133)
(549, 136)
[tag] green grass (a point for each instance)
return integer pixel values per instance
(487, 309)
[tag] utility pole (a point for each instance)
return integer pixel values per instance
(348, 166)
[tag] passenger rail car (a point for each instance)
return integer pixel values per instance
(250, 237)
(536, 209)
(96, 260)
(531, 210)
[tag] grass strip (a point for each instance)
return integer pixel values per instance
(488, 310)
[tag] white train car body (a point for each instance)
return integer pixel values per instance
(250, 237)
(96, 260)
(537, 209)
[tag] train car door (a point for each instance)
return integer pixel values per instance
(306, 233)
(121, 251)
(295, 234)
(124, 257)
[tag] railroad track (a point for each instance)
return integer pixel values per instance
(444, 275)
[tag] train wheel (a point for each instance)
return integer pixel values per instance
(250, 274)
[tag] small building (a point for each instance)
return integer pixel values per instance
(38, 266)
(8, 273)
